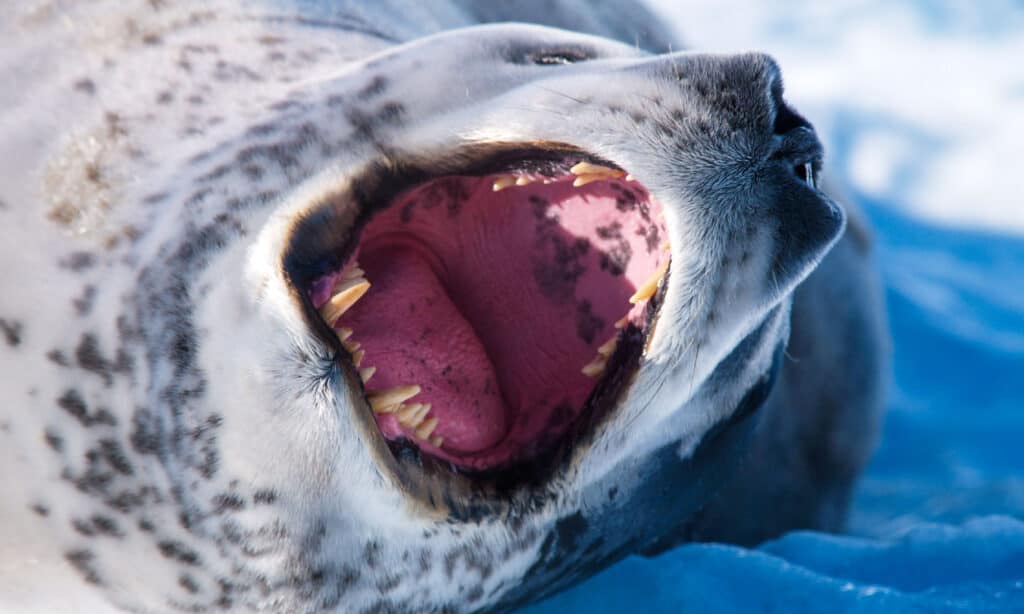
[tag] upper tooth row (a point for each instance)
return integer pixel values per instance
(585, 172)
(649, 287)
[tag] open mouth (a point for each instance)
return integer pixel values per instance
(492, 312)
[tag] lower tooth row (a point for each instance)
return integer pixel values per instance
(351, 286)
(596, 366)
(409, 415)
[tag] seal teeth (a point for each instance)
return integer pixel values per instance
(587, 172)
(583, 180)
(388, 409)
(436, 441)
(595, 367)
(353, 273)
(588, 168)
(608, 347)
(357, 357)
(407, 412)
(392, 396)
(503, 182)
(412, 415)
(427, 428)
(648, 288)
(343, 333)
(367, 373)
(523, 180)
(345, 295)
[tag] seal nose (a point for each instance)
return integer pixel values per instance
(732, 94)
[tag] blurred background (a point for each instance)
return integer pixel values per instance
(920, 105)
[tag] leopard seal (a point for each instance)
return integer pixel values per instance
(393, 308)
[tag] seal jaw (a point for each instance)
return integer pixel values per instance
(344, 305)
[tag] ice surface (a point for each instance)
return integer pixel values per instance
(921, 107)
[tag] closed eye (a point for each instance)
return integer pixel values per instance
(565, 56)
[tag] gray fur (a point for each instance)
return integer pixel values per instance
(176, 438)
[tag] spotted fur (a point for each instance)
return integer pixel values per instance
(173, 437)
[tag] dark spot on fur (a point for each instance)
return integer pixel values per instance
(73, 403)
(83, 304)
(40, 509)
(58, 357)
(227, 502)
(264, 497)
(11, 331)
(145, 435)
(374, 88)
(371, 553)
(178, 551)
(89, 358)
(82, 561)
(78, 261)
(55, 441)
(97, 525)
(114, 454)
(186, 582)
(85, 85)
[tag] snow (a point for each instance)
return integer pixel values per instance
(921, 108)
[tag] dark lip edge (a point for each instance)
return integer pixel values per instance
(466, 494)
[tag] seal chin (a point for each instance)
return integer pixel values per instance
(491, 311)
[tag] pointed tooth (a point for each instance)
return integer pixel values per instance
(413, 414)
(647, 289)
(595, 367)
(622, 321)
(406, 413)
(367, 373)
(666, 246)
(357, 357)
(608, 347)
(390, 396)
(427, 428)
(503, 182)
(387, 409)
(583, 180)
(343, 333)
(521, 181)
(345, 296)
(352, 273)
(436, 441)
(351, 346)
(421, 414)
(587, 168)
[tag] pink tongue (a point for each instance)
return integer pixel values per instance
(422, 338)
